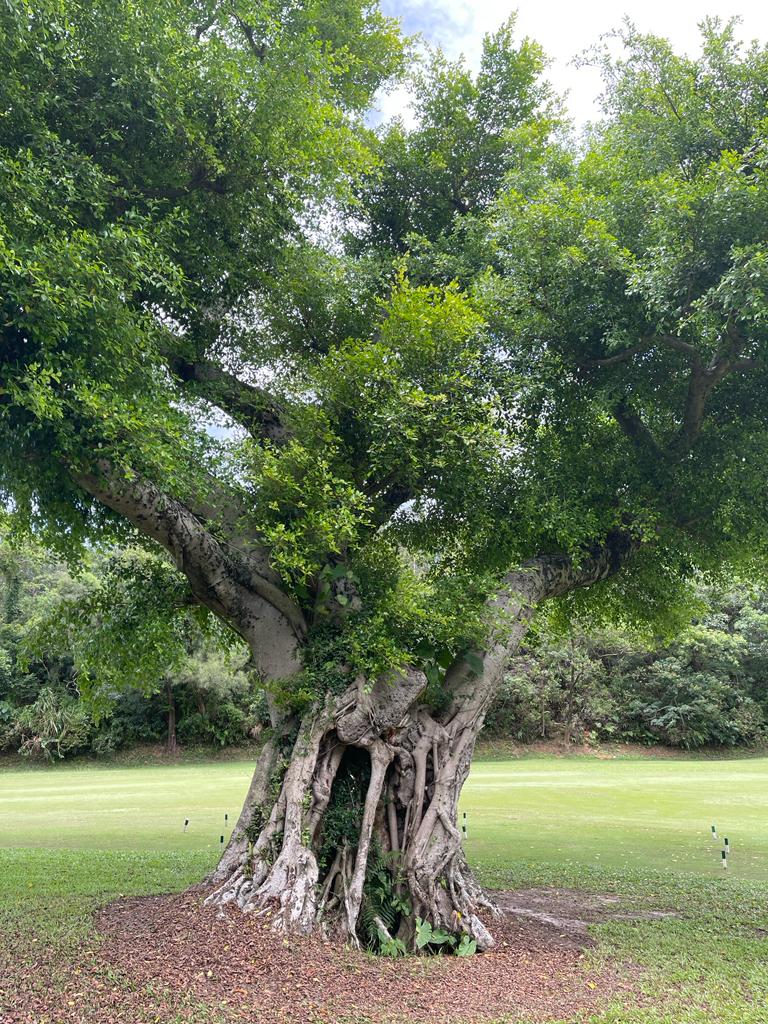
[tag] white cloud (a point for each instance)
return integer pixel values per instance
(564, 29)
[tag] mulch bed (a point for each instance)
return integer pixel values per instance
(167, 958)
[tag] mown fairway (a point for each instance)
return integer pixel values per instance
(136, 808)
(75, 838)
(625, 814)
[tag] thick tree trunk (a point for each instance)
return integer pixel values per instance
(352, 825)
(354, 828)
(355, 831)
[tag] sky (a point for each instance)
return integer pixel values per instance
(564, 29)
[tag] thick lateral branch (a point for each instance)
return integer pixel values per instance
(522, 590)
(227, 581)
(250, 406)
(702, 381)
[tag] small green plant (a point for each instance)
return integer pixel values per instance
(427, 936)
(388, 946)
(383, 903)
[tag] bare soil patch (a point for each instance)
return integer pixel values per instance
(570, 911)
(167, 957)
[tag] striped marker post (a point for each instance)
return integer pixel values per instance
(464, 825)
(724, 858)
(714, 832)
(221, 842)
(727, 846)
(186, 824)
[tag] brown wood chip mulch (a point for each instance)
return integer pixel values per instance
(166, 960)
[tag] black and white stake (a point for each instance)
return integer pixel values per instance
(464, 825)
(221, 841)
(724, 858)
(186, 824)
(727, 846)
(714, 832)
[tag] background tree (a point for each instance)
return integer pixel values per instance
(413, 468)
(114, 656)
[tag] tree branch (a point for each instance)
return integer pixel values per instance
(672, 341)
(240, 588)
(701, 384)
(250, 406)
(635, 429)
(513, 607)
(259, 50)
(620, 357)
(648, 342)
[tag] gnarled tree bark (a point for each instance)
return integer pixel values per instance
(414, 761)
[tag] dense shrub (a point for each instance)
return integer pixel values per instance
(55, 725)
(54, 638)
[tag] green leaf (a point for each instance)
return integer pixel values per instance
(440, 937)
(445, 659)
(424, 650)
(423, 933)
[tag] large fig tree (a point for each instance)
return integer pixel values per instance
(378, 395)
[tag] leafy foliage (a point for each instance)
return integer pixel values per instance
(383, 904)
(54, 726)
(453, 163)
(431, 353)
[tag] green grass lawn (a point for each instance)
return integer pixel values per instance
(623, 814)
(136, 808)
(72, 838)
